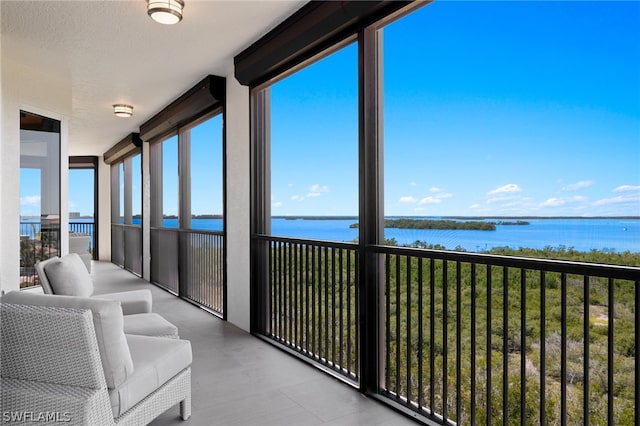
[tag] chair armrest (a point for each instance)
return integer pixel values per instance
(26, 402)
(132, 302)
(47, 344)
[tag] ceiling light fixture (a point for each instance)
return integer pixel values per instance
(123, 110)
(165, 11)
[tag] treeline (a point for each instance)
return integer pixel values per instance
(436, 224)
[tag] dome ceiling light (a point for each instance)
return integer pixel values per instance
(167, 12)
(123, 110)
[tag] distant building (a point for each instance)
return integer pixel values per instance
(74, 214)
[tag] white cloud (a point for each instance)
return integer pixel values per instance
(276, 204)
(407, 199)
(509, 188)
(413, 184)
(318, 188)
(30, 200)
(297, 198)
(430, 200)
(555, 202)
(313, 194)
(626, 188)
(579, 185)
(620, 199)
(435, 189)
(290, 185)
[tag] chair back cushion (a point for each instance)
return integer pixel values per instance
(108, 323)
(44, 281)
(69, 277)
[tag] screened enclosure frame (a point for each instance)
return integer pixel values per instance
(189, 263)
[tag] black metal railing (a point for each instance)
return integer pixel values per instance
(190, 264)
(485, 339)
(313, 301)
(38, 242)
(164, 258)
(467, 338)
(202, 260)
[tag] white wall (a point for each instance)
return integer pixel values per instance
(24, 88)
(238, 203)
(1, 155)
(104, 210)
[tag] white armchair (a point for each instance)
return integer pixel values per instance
(78, 367)
(68, 276)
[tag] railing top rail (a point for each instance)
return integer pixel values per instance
(306, 241)
(550, 265)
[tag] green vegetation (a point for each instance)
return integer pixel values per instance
(437, 224)
(428, 300)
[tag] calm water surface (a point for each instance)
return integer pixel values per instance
(611, 234)
(608, 234)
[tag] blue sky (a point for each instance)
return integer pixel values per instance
(490, 108)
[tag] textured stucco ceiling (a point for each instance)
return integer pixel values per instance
(112, 52)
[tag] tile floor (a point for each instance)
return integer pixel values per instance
(238, 379)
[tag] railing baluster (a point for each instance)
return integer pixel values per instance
(563, 349)
(610, 354)
(543, 372)
(473, 344)
(458, 340)
(349, 283)
(408, 327)
(445, 302)
(488, 348)
(637, 352)
(397, 319)
(420, 334)
(505, 346)
(432, 335)
(523, 345)
(314, 304)
(387, 315)
(333, 307)
(585, 366)
(326, 304)
(341, 311)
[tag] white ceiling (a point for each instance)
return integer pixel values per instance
(112, 52)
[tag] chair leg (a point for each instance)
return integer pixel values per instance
(185, 408)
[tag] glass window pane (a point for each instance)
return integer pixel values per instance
(121, 190)
(136, 189)
(314, 149)
(39, 192)
(81, 196)
(206, 175)
(489, 119)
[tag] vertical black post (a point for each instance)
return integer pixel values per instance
(371, 209)
(260, 209)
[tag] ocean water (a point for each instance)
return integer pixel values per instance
(607, 234)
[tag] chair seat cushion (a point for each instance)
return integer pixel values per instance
(150, 324)
(155, 361)
(132, 302)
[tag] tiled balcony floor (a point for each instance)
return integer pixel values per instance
(238, 379)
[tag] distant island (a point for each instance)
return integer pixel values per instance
(444, 224)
